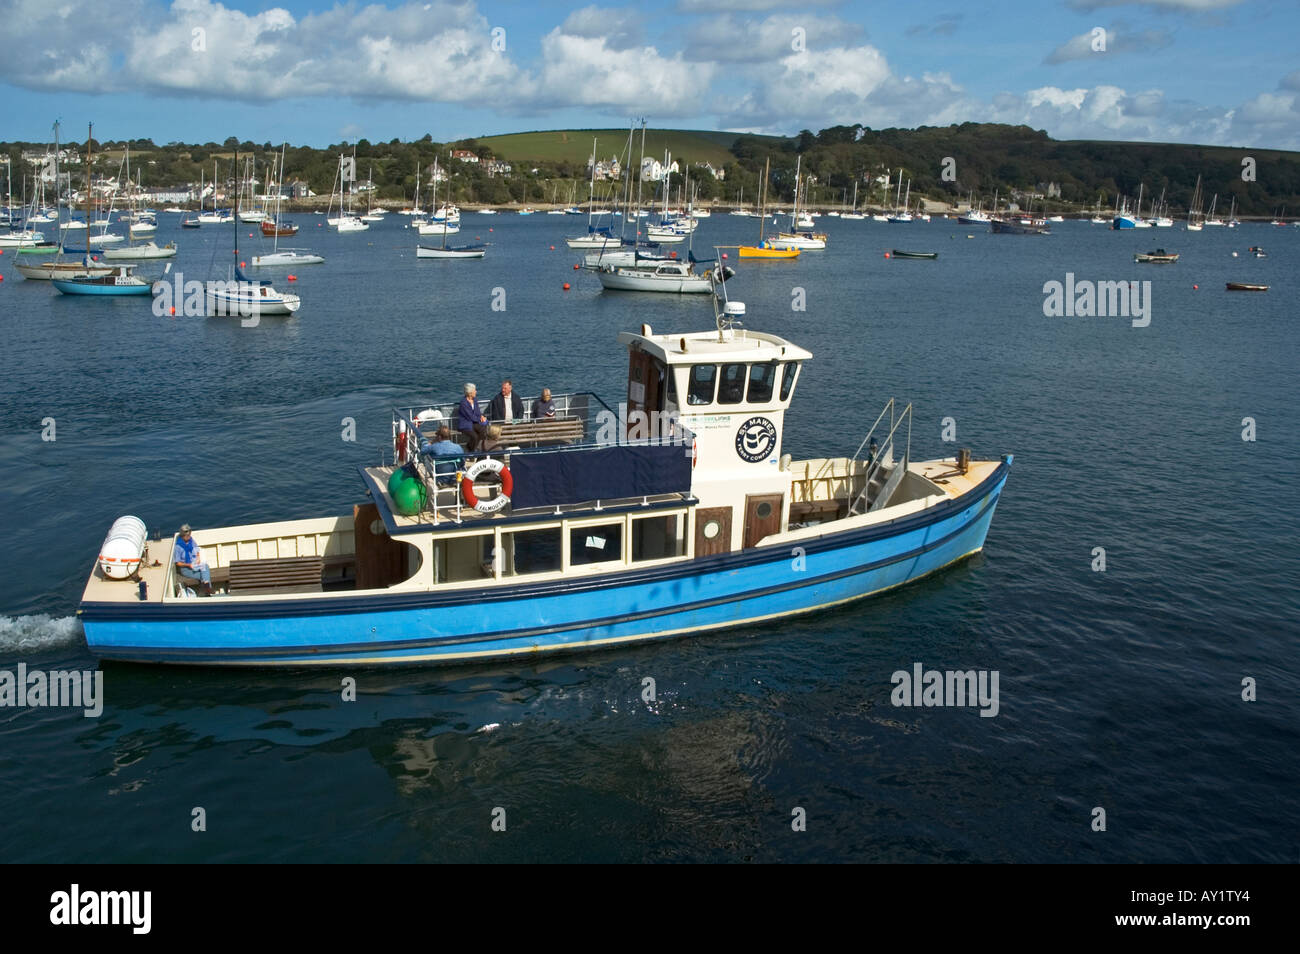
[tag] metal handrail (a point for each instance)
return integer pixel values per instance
(883, 451)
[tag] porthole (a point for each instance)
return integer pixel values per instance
(712, 529)
(377, 528)
(763, 510)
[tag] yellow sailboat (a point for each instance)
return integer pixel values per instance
(764, 249)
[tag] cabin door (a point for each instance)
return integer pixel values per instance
(381, 560)
(712, 531)
(645, 374)
(762, 516)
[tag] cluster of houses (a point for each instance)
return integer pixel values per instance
(493, 167)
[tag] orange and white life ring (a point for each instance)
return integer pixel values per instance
(476, 470)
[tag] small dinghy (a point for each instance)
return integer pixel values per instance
(899, 253)
(1246, 286)
(1158, 257)
(450, 251)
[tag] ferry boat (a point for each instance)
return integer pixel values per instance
(678, 515)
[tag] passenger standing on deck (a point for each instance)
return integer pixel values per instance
(506, 406)
(189, 560)
(544, 407)
(469, 421)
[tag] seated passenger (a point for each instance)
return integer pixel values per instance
(493, 440)
(189, 560)
(449, 453)
(469, 420)
(544, 407)
(506, 406)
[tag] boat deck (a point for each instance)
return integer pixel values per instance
(953, 482)
(102, 589)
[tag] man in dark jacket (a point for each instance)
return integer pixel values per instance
(506, 406)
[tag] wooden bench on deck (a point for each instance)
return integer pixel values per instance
(559, 430)
(538, 433)
(284, 575)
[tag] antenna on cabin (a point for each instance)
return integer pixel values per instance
(726, 313)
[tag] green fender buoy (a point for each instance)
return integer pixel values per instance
(408, 491)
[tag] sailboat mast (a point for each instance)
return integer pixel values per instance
(591, 188)
(446, 211)
(90, 134)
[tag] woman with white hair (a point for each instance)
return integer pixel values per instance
(469, 420)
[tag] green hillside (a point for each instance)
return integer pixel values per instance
(574, 145)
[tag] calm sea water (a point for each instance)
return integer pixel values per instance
(1118, 689)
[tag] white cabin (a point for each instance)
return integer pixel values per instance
(731, 388)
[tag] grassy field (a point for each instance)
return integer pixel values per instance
(574, 145)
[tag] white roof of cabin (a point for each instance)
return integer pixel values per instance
(704, 346)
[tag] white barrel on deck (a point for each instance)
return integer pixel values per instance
(123, 548)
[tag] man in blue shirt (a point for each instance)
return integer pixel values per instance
(189, 560)
(445, 447)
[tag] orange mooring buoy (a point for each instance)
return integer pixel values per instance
(566, 286)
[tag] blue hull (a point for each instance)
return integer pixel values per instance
(734, 589)
(78, 288)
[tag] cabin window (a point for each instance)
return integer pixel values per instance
(601, 543)
(658, 538)
(532, 551)
(671, 389)
(731, 387)
(787, 379)
(457, 559)
(703, 377)
(762, 378)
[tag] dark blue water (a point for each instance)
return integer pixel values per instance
(1118, 689)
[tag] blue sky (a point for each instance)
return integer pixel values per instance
(1221, 72)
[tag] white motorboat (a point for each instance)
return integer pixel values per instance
(248, 299)
(146, 250)
(349, 223)
(674, 277)
(450, 251)
(438, 228)
(21, 239)
(624, 258)
(803, 241)
(286, 257)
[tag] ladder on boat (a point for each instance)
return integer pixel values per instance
(883, 474)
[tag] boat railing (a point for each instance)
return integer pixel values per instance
(578, 405)
(880, 458)
(623, 440)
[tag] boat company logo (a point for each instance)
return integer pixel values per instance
(950, 687)
(36, 687)
(75, 907)
(756, 439)
(1089, 299)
